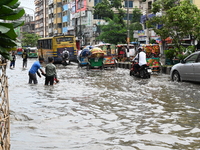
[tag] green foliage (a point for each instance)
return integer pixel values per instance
(152, 41)
(29, 39)
(170, 53)
(178, 22)
(136, 15)
(164, 5)
(103, 10)
(132, 27)
(179, 53)
(114, 32)
(9, 11)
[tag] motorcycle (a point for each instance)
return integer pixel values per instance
(144, 71)
(65, 58)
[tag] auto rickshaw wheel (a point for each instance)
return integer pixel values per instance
(88, 67)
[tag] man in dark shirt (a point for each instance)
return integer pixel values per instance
(24, 56)
(13, 59)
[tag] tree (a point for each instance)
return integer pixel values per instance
(135, 22)
(105, 9)
(9, 12)
(136, 15)
(164, 5)
(29, 39)
(113, 32)
(178, 22)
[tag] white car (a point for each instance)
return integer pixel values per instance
(188, 69)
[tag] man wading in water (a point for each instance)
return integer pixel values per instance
(35, 69)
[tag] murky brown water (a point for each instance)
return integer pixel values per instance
(102, 110)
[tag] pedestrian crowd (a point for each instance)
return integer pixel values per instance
(36, 69)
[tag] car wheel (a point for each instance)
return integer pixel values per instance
(175, 76)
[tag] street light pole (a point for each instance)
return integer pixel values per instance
(147, 29)
(30, 9)
(128, 31)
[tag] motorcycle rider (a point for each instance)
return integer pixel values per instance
(65, 54)
(65, 57)
(140, 58)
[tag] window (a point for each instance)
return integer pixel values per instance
(198, 60)
(96, 2)
(59, 4)
(130, 4)
(97, 17)
(46, 44)
(59, 25)
(65, 24)
(59, 15)
(191, 59)
(64, 39)
(80, 4)
(65, 13)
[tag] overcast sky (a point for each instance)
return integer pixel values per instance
(28, 5)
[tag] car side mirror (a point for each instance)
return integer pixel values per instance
(183, 61)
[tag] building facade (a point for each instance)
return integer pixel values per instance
(55, 17)
(196, 2)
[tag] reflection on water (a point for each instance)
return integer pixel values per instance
(102, 110)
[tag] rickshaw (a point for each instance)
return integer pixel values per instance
(95, 60)
(83, 57)
(109, 55)
(153, 56)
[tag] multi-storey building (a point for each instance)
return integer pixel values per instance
(39, 17)
(58, 9)
(29, 24)
(50, 19)
(54, 17)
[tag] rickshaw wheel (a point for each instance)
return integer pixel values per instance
(102, 67)
(88, 67)
(115, 66)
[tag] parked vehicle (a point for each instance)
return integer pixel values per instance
(32, 52)
(144, 71)
(188, 69)
(95, 60)
(19, 51)
(109, 55)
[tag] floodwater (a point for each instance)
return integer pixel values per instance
(102, 110)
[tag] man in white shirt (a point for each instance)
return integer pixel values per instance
(141, 59)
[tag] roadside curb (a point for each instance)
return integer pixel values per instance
(127, 65)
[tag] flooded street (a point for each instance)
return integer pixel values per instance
(102, 110)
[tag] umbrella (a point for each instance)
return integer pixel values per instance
(96, 50)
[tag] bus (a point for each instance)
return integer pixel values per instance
(32, 52)
(54, 47)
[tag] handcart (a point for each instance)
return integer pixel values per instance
(109, 55)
